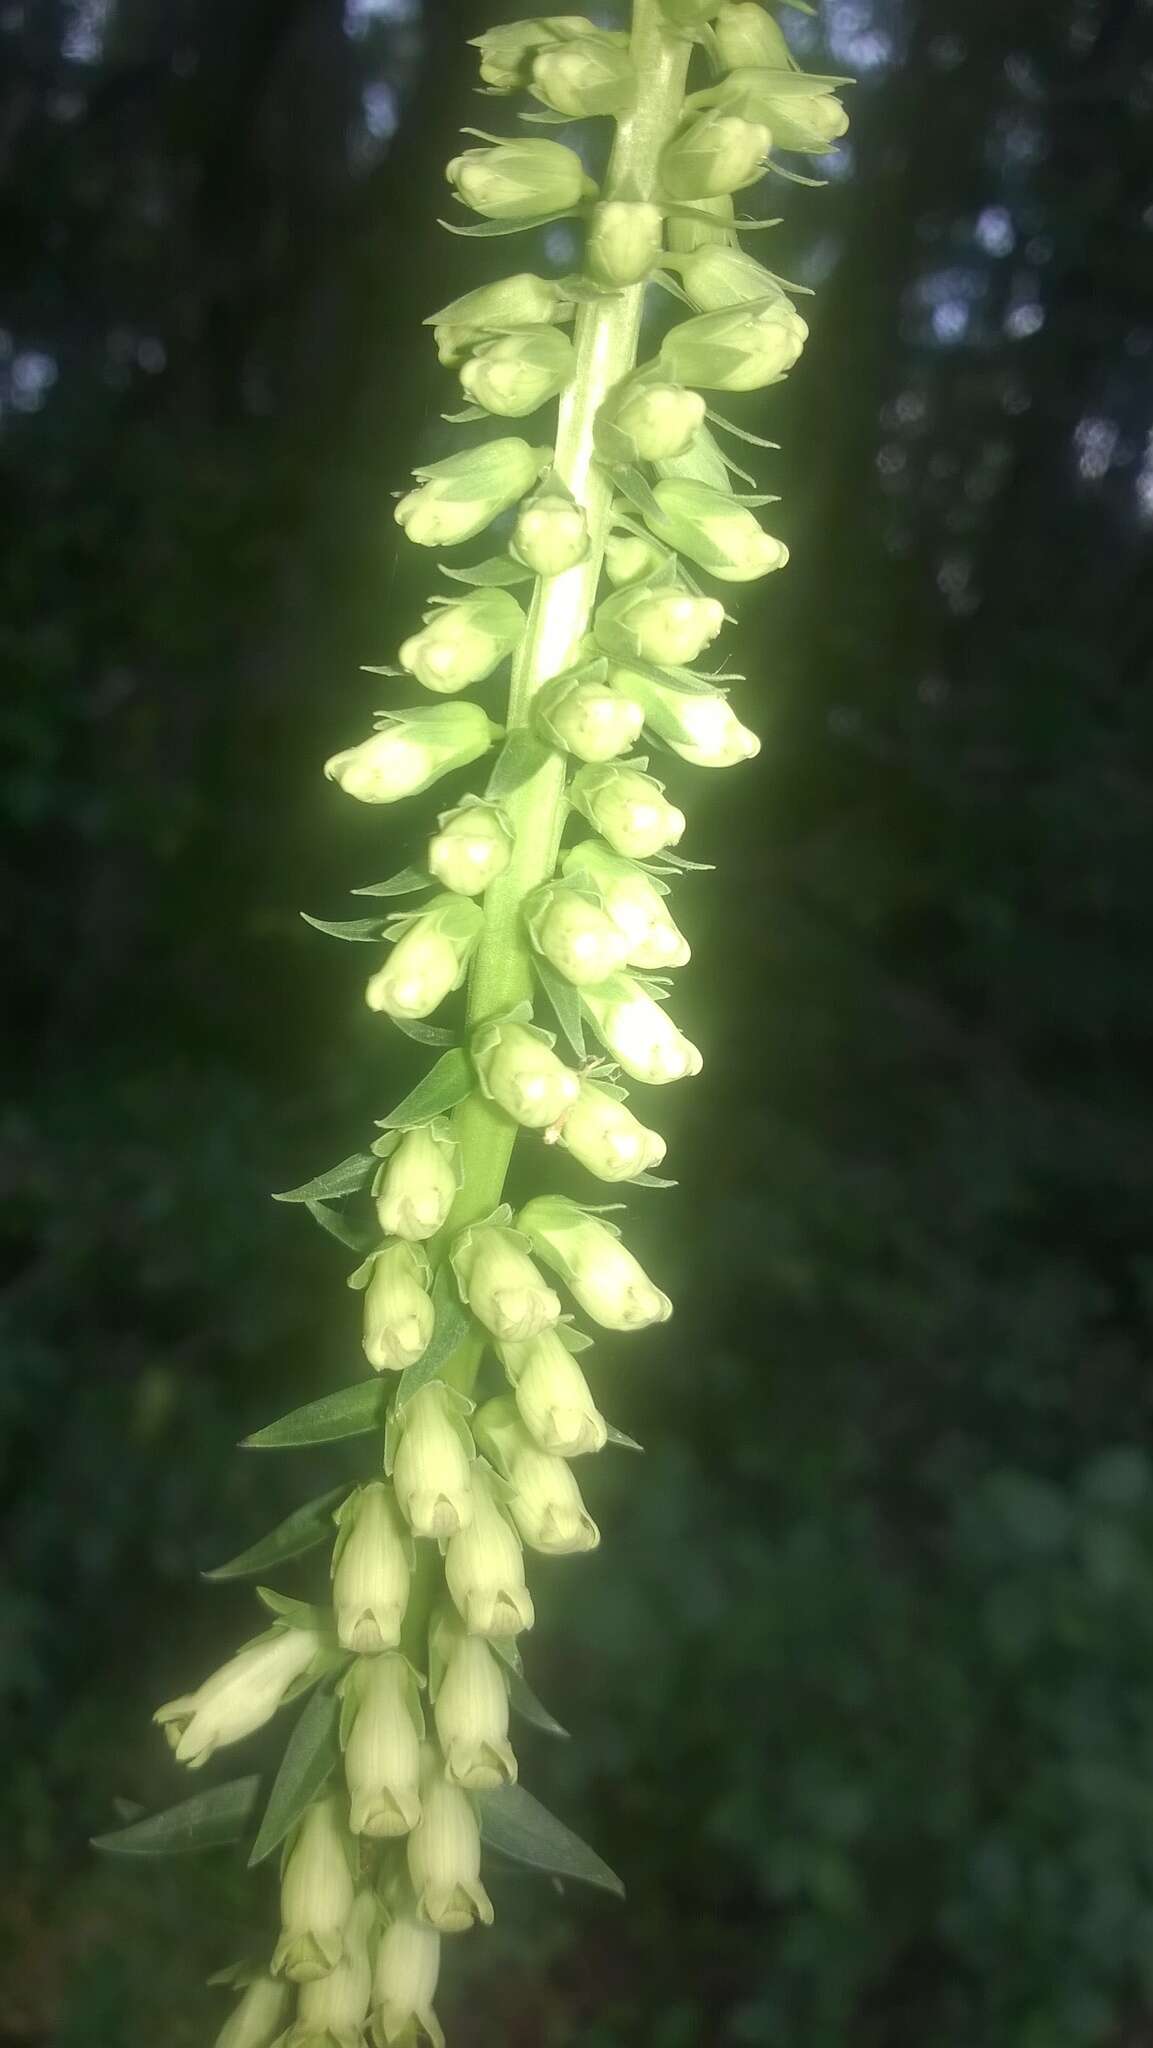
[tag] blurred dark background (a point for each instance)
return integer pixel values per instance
(861, 1680)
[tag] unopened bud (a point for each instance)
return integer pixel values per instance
(418, 1184)
(608, 1282)
(747, 34)
(523, 300)
(411, 752)
(472, 847)
(472, 1713)
(574, 934)
(429, 960)
(647, 421)
(404, 1985)
(331, 2010)
(444, 1854)
(714, 153)
(500, 1283)
(663, 624)
(238, 1698)
(634, 902)
(462, 643)
(516, 373)
(627, 808)
(623, 241)
(431, 1471)
(316, 1894)
(587, 717)
(484, 1570)
(607, 1138)
(258, 2017)
(519, 1071)
(380, 1730)
(589, 75)
(715, 277)
(550, 535)
(629, 556)
(371, 1570)
(801, 111)
(458, 497)
(506, 52)
(520, 180)
(545, 1500)
(398, 1311)
(553, 1397)
(639, 1033)
(699, 725)
(711, 528)
(740, 348)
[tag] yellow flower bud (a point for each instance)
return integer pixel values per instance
(404, 1985)
(238, 1698)
(748, 35)
(473, 847)
(587, 717)
(574, 934)
(623, 241)
(398, 1311)
(741, 347)
(648, 421)
(553, 1397)
(714, 153)
(628, 809)
(639, 1033)
(699, 725)
(430, 959)
(381, 1729)
(371, 1571)
(514, 374)
(607, 1138)
(500, 1283)
(462, 643)
(458, 497)
(484, 1570)
(418, 1185)
(316, 1894)
(663, 623)
(431, 1471)
(545, 1501)
(258, 2017)
(411, 751)
(444, 1855)
(518, 1070)
(331, 2010)
(550, 534)
(634, 902)
(520, 180)
(711, 528)
(589, 75)
(472, 1715)
(608, 1282)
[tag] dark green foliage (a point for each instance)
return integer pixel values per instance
(860, 1683)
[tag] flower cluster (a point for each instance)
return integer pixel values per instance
(402, 1762)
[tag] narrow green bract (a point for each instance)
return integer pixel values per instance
(402, 1767)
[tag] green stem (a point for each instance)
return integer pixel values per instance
(606, 343)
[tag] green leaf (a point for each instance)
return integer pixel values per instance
(452, 1325)
(403, 884)
(622, 1442)
(312, 1752)
(525, 1702)
(347, 1178)
(742, 433)
(651, 1180)
(206, 1821)
(300, 1532)
(442, 1088)
(344, 1233)
(486, 228)
(521, 757)
(517, 1825)
(425, 1034)
(497, 572)
(366, 930)
(566, 1003)
(352, 1411)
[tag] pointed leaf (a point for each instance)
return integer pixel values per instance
(442, 1088)
(452, 1325)
(206, 1821)
(566, 1003)
(308, 1760)
(403, 884)
(521, 757)
(622, 1442)
(497, 572)
(485, 228)
(335, 1225)
(346, 1178)
(426, 1034)
(651, 1180)
(524, 1701)
(352, 1411)
(366, 930)
(517, 1825)
(300, 1532)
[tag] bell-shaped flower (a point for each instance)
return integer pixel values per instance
(429, 960)
(500, 1283)
(637, 904)
(623, 241)
(484, 1569)
(404, 1985)
(586, 1250)
(802, 112)
(648, 419)
(711, 528)
(515, 373)
(715, 276)
(629, 809)
(698, 724)
(398, 1310)
(553, 1397)
(587, 717)
(411, 751)
(664, 624)
(417, 1185)
(257, 2019)
(609, 1141)
(240, 1697)
(712, 154)
(472, 847)
(507, 51)
(586, 76)
(747, 34)
(571, 931)
(471, 1713)
(371, 1571)
(741, 347)
(523, 300)
(462, 643)
(432, 1462)
(461, 495)
(316, 1893)
(519, 1071)
(550, 534)
(640, 1035)
(444, 1854)
(331, 2011)
(544, 1499)
(520, 180)
(380, 1728)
